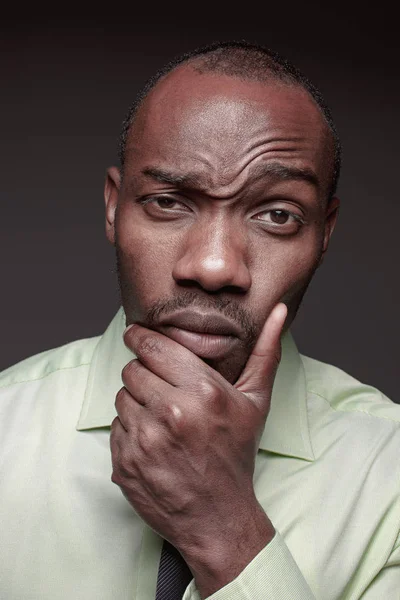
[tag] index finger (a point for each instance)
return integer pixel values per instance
(165, 357)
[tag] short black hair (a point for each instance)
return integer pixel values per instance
(246, 61)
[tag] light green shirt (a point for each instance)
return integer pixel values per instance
(327, 475)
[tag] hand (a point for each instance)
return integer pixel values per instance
(184, 446)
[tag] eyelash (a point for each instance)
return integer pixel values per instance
(154, 199)
(295, 216)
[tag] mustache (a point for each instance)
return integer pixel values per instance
(163, 307)
(230, 309)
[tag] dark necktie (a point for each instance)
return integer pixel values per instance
(173, 574)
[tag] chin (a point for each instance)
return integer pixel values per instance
(230, 367)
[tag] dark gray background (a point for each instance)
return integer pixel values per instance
(66, 86)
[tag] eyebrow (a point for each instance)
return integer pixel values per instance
(184, 180)
(274, 169)
(278, 170)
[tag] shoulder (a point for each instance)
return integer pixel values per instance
(356, 419)
(355, 428)
(342, 393)
(40, 366)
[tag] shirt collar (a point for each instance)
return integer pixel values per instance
(286, 431)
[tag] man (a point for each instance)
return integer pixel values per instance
(265, 481)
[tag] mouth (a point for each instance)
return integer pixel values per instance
(207, 335)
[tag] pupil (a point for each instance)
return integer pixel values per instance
(166, 202)
(279, 216)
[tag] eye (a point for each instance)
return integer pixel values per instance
(280, 221)
(162, 205)
(165, 202)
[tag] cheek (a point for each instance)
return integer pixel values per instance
(145, 261)
(280, 268)
(285, 269)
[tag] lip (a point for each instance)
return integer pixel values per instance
(198, 322)
(208, 335)
(204, 345)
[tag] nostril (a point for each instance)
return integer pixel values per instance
(214, 264)
(226, 289)
(189, 283)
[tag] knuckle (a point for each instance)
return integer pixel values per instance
(118, 473)
(116, 478)
(214, 396)
(129, 370)
(147, 438)
(114, 423)
(148, 345)
(154, 396)
(176, 418)
(119, 401)
(208, 389)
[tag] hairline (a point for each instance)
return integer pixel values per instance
(279, 71)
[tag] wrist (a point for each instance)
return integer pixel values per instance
(218, 559)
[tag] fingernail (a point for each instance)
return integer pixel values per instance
(127, 329)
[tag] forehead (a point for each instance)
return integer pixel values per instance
(220, 124)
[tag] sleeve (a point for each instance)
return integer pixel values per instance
(273, 573)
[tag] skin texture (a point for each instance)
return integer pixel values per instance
(197, 223)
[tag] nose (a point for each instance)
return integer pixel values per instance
(214, 256)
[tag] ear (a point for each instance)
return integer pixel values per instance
(111, 192)
(332, 211)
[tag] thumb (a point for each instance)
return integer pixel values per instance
(258, 375)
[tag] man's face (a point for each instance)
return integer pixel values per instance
(222, 211)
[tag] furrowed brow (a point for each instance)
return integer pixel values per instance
(178, 179)
(278, 170)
